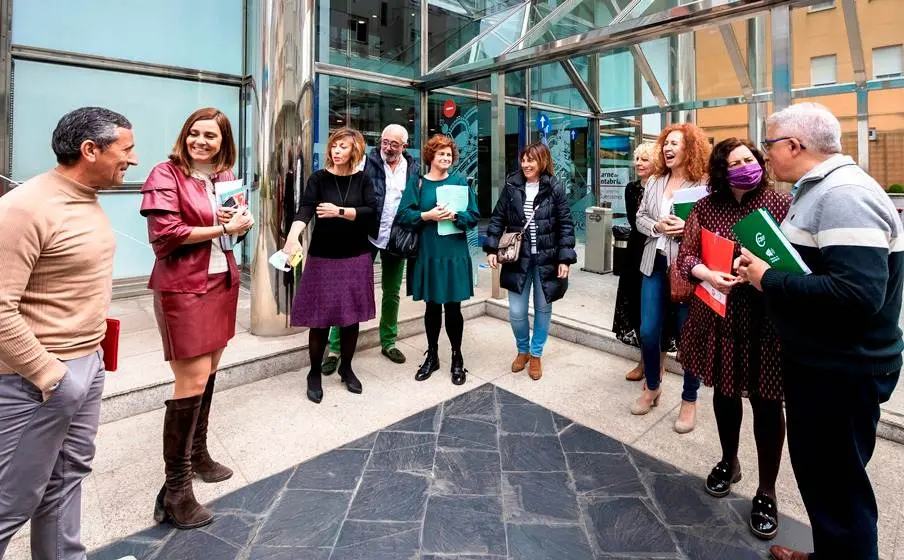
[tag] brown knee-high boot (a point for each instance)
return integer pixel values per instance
(176, 501)
(201, 463)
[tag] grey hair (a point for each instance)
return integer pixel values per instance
(87, 123)
(811, 123)
(645, 148)
(396, 129)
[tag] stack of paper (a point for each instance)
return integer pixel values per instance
(684, 200)
(759, 233)
(230, 194)
(455, 198)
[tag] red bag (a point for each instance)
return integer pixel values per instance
(110, 345)
(682, 290)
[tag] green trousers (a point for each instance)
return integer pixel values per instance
(392, 270)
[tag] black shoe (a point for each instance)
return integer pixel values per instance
(329, 365)
(431, 364)
(352, 383)
(315, 389)
(719, 481)
(459, 373)
(764, 517)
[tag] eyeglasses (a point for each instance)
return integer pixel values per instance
(391, 144)
(768, 142)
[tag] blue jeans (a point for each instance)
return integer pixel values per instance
(655, 305)
(518, 309)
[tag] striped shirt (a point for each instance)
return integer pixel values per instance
(530, 194)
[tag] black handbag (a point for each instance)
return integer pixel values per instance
(403, 241)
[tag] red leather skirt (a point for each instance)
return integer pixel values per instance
(192, 325)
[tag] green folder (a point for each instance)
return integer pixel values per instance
(454, 197)
(683, 209)
(685, 199)
(759, 233)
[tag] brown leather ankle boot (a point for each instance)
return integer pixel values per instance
(520, 362)
(176, 501)
(201, 463)
(535, 369)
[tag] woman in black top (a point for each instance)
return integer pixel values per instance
(337, 283)
(626, 324)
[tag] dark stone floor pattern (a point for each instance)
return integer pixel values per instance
(484, 476)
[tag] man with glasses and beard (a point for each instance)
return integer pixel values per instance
(388, 169)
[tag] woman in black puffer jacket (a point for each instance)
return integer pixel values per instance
(547, 250)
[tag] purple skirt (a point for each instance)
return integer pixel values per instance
(335, 292)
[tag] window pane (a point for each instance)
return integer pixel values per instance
(365, 106)
(156, 107)
(201, 34)
(381, 37)
(822, 70)
(568, 141)
(887, 61)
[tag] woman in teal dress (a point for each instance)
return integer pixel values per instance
(441, 275)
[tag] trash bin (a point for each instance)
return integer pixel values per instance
(621, 233)
(598, 248)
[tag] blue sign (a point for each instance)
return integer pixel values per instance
(574, 134)
(543, 123)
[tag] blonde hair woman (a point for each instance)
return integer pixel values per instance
(337, 284)
(626, 323)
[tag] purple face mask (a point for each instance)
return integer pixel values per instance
(747, 177)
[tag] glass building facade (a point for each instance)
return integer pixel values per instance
(592, 78)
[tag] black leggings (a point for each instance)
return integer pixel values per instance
(768, 430)
(455, 324)
(318, 340)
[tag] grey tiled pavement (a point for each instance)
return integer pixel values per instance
(486, 475)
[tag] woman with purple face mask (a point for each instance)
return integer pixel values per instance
(738, 355)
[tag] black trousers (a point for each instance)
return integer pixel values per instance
(832, 421)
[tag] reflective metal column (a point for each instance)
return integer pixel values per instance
(781, 57)
(283, 106)
(497, 151)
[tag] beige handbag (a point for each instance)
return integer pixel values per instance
(510, 244)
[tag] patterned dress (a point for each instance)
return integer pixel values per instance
(738, 355)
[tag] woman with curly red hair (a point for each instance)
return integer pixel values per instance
(441, 274)
(681, 160)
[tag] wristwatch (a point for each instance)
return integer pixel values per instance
(342, 211)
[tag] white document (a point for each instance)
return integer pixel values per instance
(280, 261)
(716, 294)
(692, 194)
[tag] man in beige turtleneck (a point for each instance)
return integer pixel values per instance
(56, 253)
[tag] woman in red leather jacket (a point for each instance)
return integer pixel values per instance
(196, 285)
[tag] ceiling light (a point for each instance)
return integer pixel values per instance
(398, 108)
(361, 21)
(375, 17)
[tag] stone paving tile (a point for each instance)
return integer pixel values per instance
(486, 475)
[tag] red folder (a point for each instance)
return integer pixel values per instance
(717, 254)
(110, 345)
